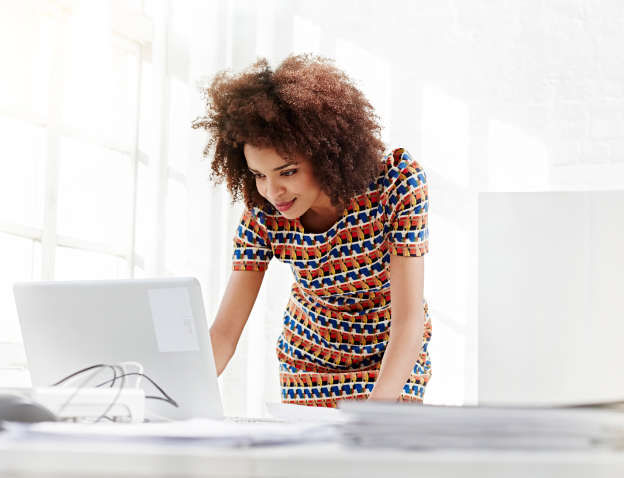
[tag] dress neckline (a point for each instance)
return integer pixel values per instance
(342, 218)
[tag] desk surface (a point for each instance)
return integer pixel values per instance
(49, 459)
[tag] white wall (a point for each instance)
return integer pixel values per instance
(491, 95)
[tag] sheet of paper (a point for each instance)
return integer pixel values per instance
(173, 319)
(198, 430)
(300, 413)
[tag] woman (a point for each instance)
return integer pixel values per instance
(301, 146)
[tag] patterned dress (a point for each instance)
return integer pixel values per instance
(337, 321)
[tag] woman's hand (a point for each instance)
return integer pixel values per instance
(236, 304)
(407, 276)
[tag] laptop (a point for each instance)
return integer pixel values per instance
(159, 323)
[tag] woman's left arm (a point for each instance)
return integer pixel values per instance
(407, 276)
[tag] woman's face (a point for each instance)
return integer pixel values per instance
(290, 187)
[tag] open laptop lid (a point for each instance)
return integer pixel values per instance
(160, 323)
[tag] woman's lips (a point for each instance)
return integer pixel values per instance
(284, 206)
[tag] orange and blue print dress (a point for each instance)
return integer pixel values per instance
(338, 319)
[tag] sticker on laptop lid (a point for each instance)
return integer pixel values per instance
(173, 319)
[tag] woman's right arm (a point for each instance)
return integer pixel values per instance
(236, 304)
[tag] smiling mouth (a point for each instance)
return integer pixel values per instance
(284, 206)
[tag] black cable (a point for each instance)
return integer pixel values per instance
(169, 399)
(121, 385)
(161, 398)
(98, 367)
(86, 370)
(112, 382)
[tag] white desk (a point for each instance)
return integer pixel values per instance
(49, 460)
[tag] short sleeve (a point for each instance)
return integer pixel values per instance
(252, 245)
(407, 205)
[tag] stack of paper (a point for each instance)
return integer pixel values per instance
(199, 431)
(412, 426)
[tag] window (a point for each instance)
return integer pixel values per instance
(70, 91)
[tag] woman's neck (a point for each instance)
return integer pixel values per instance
(320, 217)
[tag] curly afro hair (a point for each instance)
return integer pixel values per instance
(305, 107)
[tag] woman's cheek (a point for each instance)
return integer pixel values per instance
(260, 189)
(299, 186)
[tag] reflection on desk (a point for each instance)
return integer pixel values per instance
(45, 458)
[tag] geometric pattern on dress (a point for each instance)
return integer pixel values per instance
(338, 319)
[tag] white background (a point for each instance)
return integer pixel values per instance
(102, 177)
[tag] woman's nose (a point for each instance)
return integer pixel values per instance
(274, 190)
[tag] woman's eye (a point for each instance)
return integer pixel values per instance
(289, 173)
(257, 176)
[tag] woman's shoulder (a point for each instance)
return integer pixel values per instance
(400, 167)
(399, 158)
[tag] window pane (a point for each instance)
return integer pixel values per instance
(74, 264)
(37, 261)
(22, 174)
(148, 129)
(175, 249)
(97, 88)
(16, 258)
(179, 125)
(144, 237)
(94, 193)
(24, 37)
(134, 5)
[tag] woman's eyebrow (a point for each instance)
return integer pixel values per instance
(276, 169)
